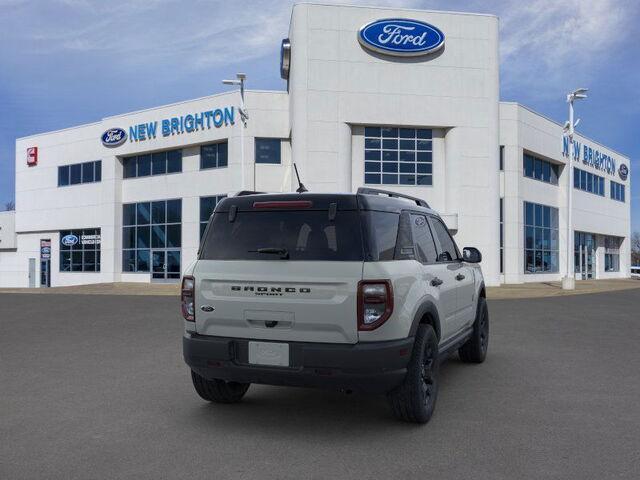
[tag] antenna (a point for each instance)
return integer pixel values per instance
(301, 188)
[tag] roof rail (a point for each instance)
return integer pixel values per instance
(376, 191)
(244, 193)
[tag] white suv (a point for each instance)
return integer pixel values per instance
(363, 292)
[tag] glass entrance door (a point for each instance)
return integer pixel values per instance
(584, 252)
(165, 265)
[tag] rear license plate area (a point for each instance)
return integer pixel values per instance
(269, 353)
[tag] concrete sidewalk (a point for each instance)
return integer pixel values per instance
(525, 290)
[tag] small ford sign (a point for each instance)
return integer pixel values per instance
(114, 137)
(401, 37)
(69, 240)
(623, 171)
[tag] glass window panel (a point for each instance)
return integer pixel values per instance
(65, 261)
(129, 261)
(129, 237)
(129, 214)
(407, 133)
(158, 236)
(423, 156)
(267, 150)
(76, 261)
(538, 218)
(528, 166)
(424, 167)
(207, 205)
(159, 163)
(76, 174)
(87, 172)
(89, 261)
(424, 133)
(407, 144)
(389, 155)
(144, 165)
(538, 260)
(407, 167)
(173, 261)
(529, 265)
(391, 144)
(372, 167)
(528, 237)
(98, 171)
(537, 169)
(143, 213)
(222, 154)
(389, 132)
(174, 211)
(425, 179)
(423, 144)
(546, 212)
(538, 238)
(173, 236)
(372, 143)
(372, 178)
(63, 176)
(142, 263)
(174, 161)
(158, 214)
(372, 154)
(407, 156)
(389, 179)
(208, 156)
(407, 179)
(143, 237)
(390, 167)
(129, 167)
(372, 131)
(546, 171)
(576, 178)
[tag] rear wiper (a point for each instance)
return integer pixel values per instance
(283, 252)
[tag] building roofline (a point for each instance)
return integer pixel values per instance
(181, 102)
(404, 9)
(531, 110)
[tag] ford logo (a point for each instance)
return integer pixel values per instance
(114, 137)
(401, 37)
(623, 171)
(69, 240)
(46, 250)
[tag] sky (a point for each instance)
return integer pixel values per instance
(68, 62)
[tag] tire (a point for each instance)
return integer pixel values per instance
(219, 391)
(415, 400)
(475, 349)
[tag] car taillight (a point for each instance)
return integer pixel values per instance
(375, 303)
(187, 298)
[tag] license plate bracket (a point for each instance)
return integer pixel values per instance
(275, 354)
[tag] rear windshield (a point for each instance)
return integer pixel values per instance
(290, 235)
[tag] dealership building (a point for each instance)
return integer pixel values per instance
(402, 100)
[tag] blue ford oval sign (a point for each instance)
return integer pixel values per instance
(69, 240)
(401, 37)
(114, 137)
(623, 171)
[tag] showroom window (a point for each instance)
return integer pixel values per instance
(617, 191)
(268, 150)
(80, 250)
(588, 182)
(612, 254)
(541, 242)
(207, 205)
(214, 155)
(152, 237)
(540, 169)
(87, 172)
(398, 156)
(159, 163)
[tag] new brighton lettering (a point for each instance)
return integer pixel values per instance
(589, 156)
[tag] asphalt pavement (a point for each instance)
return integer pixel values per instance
(94, 387)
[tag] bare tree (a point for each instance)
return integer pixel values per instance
(635, 248)
(11, 205)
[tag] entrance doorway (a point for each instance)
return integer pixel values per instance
(45, 273)
(585, 255)
(165, 265)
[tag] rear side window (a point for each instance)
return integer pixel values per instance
(448, 251)
(304, 235)
(425, 246)
(382, 232)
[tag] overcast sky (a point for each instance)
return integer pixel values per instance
(68, 62)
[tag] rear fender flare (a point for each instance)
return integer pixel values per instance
(427, 308)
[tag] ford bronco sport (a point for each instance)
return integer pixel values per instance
(364, 292)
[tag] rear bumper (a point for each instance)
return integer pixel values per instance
(374, 367)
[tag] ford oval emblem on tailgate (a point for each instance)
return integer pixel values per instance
(207, 308)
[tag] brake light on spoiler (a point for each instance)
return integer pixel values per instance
(284, 204)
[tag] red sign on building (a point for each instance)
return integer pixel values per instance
(32, 156)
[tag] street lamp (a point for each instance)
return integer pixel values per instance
(569, 281)
(244, 116)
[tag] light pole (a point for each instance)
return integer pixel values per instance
(569, 281)
(244, 116)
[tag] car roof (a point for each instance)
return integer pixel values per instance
(245, 201)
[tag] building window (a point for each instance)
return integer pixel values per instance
(588, 182)
(502, 235)
(159, 163)
(541, 242)
(612, 254)
(152, 237)
(539, 169)
(501, 157)
(398, 156)
(88, 172)
(213, 155)
(617, 191)
(268, 150)
(207, 206)
(80, 250)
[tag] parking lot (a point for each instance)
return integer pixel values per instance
(94, 386)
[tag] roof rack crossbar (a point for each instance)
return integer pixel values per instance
(376, 191)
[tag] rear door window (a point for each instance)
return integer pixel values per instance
(304, 235)
(447, 251)
(424, 244)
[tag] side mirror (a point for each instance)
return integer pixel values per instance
(471, 255)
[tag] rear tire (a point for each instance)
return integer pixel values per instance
(415, 400)
(219, 391)
(475, 349)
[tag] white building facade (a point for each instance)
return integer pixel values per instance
(125, 199)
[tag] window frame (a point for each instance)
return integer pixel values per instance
(96, 168)
(274, 141)
(79, 248)
(217, 145)
(583, 179)
(135, 159)
(538, 229)
(544, 165)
